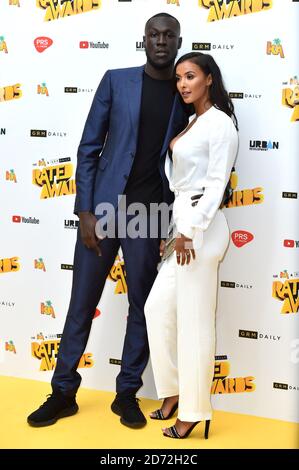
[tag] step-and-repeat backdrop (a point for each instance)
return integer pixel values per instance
(53, 54)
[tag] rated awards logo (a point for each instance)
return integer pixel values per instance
(55, 180)
(10, 92)
(229, 385)
(244, 197)
(286, 291)
(44, 347)
(222, 9)
(290, 97)
(9, 265)
(55, 9)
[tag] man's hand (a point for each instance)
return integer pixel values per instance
(184, 249)
(87, 229)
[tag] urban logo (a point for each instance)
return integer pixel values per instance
(244, 197)
(8, 265)
(39, 264)
(71, 224)
(275, 48)
(93, 45)
(222, 9)
(140, 46)
(46, 308)
(42, 43)
(235, 285)
(289, 195)
(256, 335)
(56, 9)
(287, 293)
(18, 219)
(207, 46)
(9, 346)
(55, 180)
(15, 3)
(47, 351)
(263, 145)
(11, 176)
(3, 45)
(290, 97)
(224, 384)
(118, 274)
(10, 92)
(241, 238)
(42, 89)
(291, 243)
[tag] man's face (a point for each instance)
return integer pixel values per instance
(162, 41)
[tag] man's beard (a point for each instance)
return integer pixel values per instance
(163, 66)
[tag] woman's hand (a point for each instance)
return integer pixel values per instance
(184, 249)
(162, 247)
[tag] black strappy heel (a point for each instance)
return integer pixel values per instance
(174, 433)
(159, 413)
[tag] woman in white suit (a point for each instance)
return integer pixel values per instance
(180, 310)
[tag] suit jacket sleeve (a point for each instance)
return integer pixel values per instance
(91, 145)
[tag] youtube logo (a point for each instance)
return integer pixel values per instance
(241, 238)
(291, 243)
(42, 43)
(84, 44)
(17, 219)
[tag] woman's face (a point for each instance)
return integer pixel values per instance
(192, 84)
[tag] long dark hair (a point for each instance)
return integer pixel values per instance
(217, 92)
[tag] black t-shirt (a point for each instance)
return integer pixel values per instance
(145, 182)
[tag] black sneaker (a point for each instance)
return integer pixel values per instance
(57, 406)
(127, 407)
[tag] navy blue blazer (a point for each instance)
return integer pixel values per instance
(108, 145)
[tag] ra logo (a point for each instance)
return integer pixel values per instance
(47, 308)
(3, 46)
(118, 274)
(11, 176)
(39, 264)
(40, 336)
(9, 346)
(275, 48)
(15, 2)
(290, 97)
(42, 89)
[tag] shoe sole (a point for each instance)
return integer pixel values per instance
(129, 424)
(63, 414)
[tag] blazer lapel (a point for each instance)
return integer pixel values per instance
(170, 129)
(134, 91)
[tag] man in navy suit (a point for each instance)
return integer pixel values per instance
(134, 115)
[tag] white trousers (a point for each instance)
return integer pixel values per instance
(180, 316)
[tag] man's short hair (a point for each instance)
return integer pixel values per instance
(163, 15)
